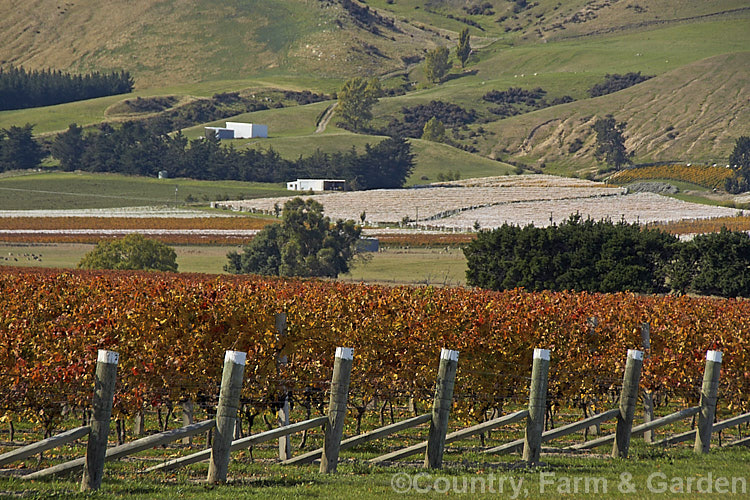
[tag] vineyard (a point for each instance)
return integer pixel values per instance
(492, 202)
(699, 226)
(632, 208)
(711, 177)
(441, 214)
(172, 230)
(169, 330)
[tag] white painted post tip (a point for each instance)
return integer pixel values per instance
(236, 357)
(714, 356)
(541, 354)
(635, 354)
(449, 355)
(109, 357)
(345, 352)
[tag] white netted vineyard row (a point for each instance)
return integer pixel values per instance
(492, 202)
(637, 207)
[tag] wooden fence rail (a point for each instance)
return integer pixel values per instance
(333, 422)
(454, 436)
(362, 438)
(241, 444)
(640, 429)
(44, 445)
(128, 448)
(517, 445)
(717, 427)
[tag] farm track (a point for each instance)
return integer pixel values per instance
(655, 22)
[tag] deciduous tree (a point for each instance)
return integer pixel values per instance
(356, 99)
(306, 244)
(610, 142)
(133, 252)
(740, 160)
(463, 49)
(434, 130)
(436, 64)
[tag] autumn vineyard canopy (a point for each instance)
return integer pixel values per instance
(172, 330)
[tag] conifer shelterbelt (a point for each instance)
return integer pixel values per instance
(136, 149)
(21, 89)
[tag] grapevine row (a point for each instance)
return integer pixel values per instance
(712, 177)
(171, 329)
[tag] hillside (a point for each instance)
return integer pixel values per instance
(691, 110)
(693, 113)
(177, 41)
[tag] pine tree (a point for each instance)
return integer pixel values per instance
(19, 151)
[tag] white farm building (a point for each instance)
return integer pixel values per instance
(238, 130)
(316, 185)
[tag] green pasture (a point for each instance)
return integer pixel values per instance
(419, 266)
(567, 67)
(74, 190)
(206, 259)
(414, 266)
(571, 67)
(294, 121)
(57, 118)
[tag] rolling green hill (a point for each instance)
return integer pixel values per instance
(691, 110)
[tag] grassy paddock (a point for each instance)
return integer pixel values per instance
(432, 266)
(428, 266)
(70, 190)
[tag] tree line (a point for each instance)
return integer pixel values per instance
(20, 89)
(606, 257)
(135, 149)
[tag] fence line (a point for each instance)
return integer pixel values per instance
(333, 423)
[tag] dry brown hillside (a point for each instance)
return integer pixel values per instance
(164, 42)
(695, 113)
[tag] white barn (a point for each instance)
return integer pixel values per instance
(316, 185)
(238, 130)
(248, 130)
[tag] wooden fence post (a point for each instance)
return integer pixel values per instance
(334, 428)
(532, 446)
(628, 401)
(648, 399)
(709, 393)
(285, 448)
(104, 391)
(595, 429)
(188, 417)
(441, 408)
(139, 423)
(226, 415)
